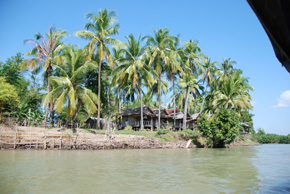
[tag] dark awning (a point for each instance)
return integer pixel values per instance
(275, 18)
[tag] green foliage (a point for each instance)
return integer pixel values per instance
(8, 95)
(162, 131)
(128, 128)
(187, 134)
(222, 129)
(264, 138)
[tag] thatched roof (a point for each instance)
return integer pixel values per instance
(179, 115)
(137, 111)
(194, 116)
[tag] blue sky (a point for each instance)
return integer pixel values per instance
(224, 28)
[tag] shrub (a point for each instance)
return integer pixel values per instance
(222, 129)
(187, 134)
(128, 128)
(162, 131)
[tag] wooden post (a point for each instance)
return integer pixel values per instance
(60, 140)
(15, 137)
(30, 137)
(151, 124)
(44, 145)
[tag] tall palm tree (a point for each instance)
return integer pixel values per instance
(160, 55)
(233, 93)
(132, 70)
(207, 76)
(69, 85)
(226, 68)
(172, 67)
(99, 30)
(192, 57)
(44, 51)
(191, 85)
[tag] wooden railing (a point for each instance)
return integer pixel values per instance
(145, 123)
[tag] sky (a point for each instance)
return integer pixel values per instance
(224, 29)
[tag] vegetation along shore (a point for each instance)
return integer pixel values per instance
(149, 92)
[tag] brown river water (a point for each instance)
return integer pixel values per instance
(252, 169)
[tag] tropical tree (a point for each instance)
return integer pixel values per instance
(192, 57)
(160, 55)
(133, 71)
(69, 86)
(8, 94)
(233, 93)
(44, 52)
(99, 30)
(207, 76)
(226, 68)
(172, 68)
(190, 84)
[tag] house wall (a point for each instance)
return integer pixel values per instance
(128, 120)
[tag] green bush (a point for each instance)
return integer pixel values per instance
(128, 128)
(162, 131)
(222, 129)
(187, 134)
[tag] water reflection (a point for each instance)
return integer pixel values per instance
(234, 170)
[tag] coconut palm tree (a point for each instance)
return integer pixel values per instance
(133, 71)
(69, 85)
(192, 57)
(44, 52)
(172, 68)
(191, 85)
(207, 76)
(233, 93)
(160, 55)
(226, 68)
(99, 30)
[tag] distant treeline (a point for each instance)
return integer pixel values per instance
(263, 138)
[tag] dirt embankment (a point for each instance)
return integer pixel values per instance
(40, 138)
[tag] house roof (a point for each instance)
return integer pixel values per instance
(169, 111)
(194, 116)
(179, 115)
(136, 111)
(245, 125)
(95, 119)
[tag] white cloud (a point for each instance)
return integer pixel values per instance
(284, 100)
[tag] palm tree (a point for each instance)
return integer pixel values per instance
(99, 30)
(207, 76)
(44, 51)
(160, 55)
(190, 84)
(132, 70)
(233, 93)
(192, 57)
(226, 68)
(172, 67)
(69, 88)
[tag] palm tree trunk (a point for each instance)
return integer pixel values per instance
(185, 109)
(76, 117)
(141, 103)
(49, 70)
(99, 94)
(119, 104)
(174, 106)
(159, 95)
(203, 99)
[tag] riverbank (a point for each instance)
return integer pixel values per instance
(88, 139)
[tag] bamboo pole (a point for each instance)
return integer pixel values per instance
(15, 136)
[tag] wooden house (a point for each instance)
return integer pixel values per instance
(132, 117)
(245, 130)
